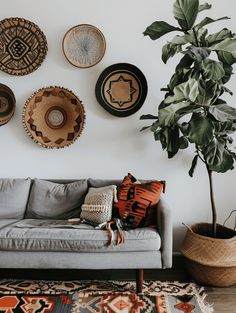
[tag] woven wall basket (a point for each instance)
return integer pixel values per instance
(7, 104)
(23, 46)
(84, 45)
(211, 261)
(54, 117)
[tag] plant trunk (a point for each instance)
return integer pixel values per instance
(213, 207)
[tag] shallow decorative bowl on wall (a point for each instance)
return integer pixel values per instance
(121, 89)
(7, 104)
(54, 117)
(23, 46)
(84, 45)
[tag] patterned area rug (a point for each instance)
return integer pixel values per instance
(18, 296)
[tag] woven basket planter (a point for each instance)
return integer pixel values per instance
(211, 261)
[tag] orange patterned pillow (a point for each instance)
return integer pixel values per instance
(137, 202)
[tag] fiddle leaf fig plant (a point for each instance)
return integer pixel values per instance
(193, 110)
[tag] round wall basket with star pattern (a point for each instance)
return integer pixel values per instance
(54, 117)
(121, 89)
(23, 46)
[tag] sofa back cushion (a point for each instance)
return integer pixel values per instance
(14, 195)
(49, 200)
(97, 183)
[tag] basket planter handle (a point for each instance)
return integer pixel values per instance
(231, 213)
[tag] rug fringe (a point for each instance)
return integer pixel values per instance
(204, 306)
(201, 299)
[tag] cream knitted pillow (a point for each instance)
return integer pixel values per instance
(97, 207)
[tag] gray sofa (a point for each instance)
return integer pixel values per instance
(35, 232)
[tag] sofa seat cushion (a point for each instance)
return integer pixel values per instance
(57, 235)
(7, 222)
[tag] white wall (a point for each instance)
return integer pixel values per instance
(110, 147)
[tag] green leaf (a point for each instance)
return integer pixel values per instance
(208, 20)
(157, 136)
(224, 128)
(204, 7)
(213, 153)
(173, 141)
(193, 166)
(158, 29)
(183, 142)
(233, 154)
(155, 126)
(197, 53)
(228, 73)
(213, 70)
(185, 12)
(227, 45)
(225, 89)
(197, 37)
(169, 115)
(185, 91)
(169, 50)
(226, 57)
(208, 90)
(223, 112)
(148, 117)
(227, 163)
(145, 128)
(180, 40)
(201, 36)
(219, 36)
(219, 101)
(169, 138)
(173, 47)
(228, 139)
(184, 128)
(162, 105)
(185, 62)
(200, 130)
(163, 137)
(175, 80)
(179, 77)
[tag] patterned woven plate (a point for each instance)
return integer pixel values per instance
(121, 89)
(23, 46)
(84, 45)
(7, 104)
(54, 117)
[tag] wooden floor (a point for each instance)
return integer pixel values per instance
(223, 299)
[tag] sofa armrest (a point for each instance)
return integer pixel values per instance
(164, 223)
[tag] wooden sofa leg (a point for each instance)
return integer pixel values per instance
(139, 280)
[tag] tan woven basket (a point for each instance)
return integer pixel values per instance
(212, 276)
(23, 46)
(7, 104)
(211, 261)
(54, 117)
